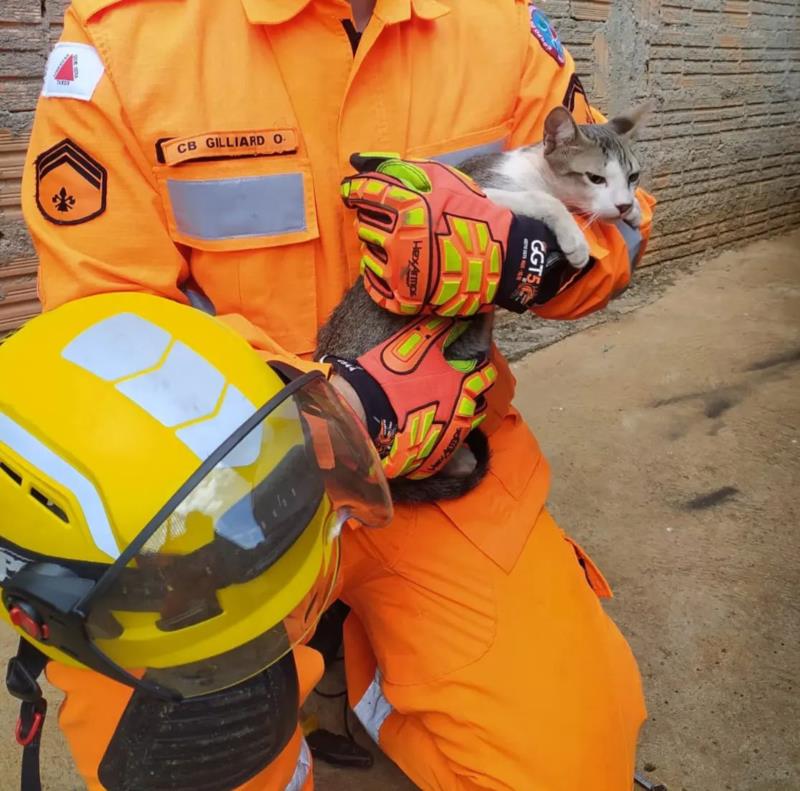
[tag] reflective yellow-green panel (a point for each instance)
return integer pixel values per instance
(409, 344)
(369, 262)
(478, 420)
(466, 407)
(483, 235)
(428, 447)
(446, 293)
(368, 235)
(427, 421)
(474, 383)
(415, 217)
(494, 260)
(455, 307)
(463, 366)
(475, 275)
(462, 229)
(373, 186)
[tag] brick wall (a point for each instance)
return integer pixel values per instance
(28, 30)
(722, 151)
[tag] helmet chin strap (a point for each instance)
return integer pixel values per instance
(22, 682)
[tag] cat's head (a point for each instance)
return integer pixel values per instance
(595, 168)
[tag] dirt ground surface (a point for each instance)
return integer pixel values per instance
(673, 430)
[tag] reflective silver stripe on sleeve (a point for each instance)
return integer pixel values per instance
(373, 708)
(239, 208)
(455, 157)
(633, 240)
(301, 770)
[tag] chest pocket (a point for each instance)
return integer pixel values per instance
(239, 204)
(457, 149)
(250, 224)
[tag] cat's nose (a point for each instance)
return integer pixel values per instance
(624, 208)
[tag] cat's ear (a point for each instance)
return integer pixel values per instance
(560, 129)
(625, 124)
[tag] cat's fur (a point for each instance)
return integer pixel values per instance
(546, 182)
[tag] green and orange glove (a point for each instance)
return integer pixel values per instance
(433, 242)
(419, 406)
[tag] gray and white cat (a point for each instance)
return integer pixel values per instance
(588, 170)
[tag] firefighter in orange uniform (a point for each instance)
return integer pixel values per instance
(194, 149)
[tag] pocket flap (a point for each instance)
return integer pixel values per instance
(459, 149)
(499, 514)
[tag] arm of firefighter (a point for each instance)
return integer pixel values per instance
(90, 198)
(548, 79)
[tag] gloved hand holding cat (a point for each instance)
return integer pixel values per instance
(435, 242)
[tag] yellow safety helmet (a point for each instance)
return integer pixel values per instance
(170, 504)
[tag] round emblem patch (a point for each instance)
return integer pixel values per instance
(546, 36)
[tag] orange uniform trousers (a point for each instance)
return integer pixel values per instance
(470, 672)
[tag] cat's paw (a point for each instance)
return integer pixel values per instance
(574, 246)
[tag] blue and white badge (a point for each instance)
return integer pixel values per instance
(546, 36)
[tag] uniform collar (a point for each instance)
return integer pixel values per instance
(274, 12)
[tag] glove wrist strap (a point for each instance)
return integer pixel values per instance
(535, 269)
(381, 418)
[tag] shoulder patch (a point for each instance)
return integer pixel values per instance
(545, 34)
(70, 184)
(73, 71)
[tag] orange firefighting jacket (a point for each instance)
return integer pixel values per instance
(198, 142)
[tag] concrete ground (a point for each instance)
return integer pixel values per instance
(673, 430)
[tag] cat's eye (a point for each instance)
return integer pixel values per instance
(633, 178)
(595, 179)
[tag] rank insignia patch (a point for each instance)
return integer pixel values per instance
(546, 36)
(70, 184)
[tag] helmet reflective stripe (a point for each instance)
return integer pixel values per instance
(63, 473)
(168, 380)
(205, 436)
(118, 347)
(184, 387)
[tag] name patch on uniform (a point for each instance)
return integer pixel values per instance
(216, 145)
(73, 71)
(544, 33)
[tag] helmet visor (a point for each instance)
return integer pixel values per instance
(243, 564)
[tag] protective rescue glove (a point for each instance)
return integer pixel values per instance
(419, 406)
(433, 242)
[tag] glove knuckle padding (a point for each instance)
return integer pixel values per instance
(436, 401)
(444, 247)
